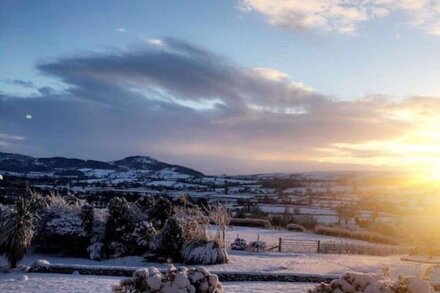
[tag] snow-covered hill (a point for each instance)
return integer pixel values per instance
(128, 168)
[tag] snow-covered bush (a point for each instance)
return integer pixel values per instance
(96, 250)
(143, 235)
(257, 246)
(145, 203)
(239, 244)
(174, 280)
(204, 253)
(295, 228)
(195, 224)
(59, 226)
(120, 225)
(374, 283)
(41, 263)
(52, 206)
(170, 240)
(160, 212)
(55, 205)
(68, 224)
(187, 228)
(117, 249)
(63, 233)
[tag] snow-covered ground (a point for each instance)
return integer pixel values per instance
(270, 262)
(271, 236)
(76, 283)
(312, 263)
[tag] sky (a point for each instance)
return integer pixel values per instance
(231, 86)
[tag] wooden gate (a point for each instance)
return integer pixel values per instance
(299, 245)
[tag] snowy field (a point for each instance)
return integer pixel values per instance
(310, 263)
(271, 236)
(49, 283)
(326, 264)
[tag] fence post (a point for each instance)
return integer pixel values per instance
(319, 246)
(279, 244)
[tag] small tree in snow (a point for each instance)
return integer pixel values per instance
(120, 225)
(18, 231)
(171, 239)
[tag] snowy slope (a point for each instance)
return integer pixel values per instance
(127, 169)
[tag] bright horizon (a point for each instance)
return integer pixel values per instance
(232, 87)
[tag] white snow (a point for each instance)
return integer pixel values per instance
(311, 263)
(271, 236)
(269, 262)
(50, 283)
(99, 173)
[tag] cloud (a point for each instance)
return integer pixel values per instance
(120, 30)
(155, 42)
(344, 16)
(187, 105)
(271, 74)
(5, 136)
(7, 139)
(21, 83)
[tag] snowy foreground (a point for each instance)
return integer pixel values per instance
(310, 263)
(326, 264)
(313, 263)
(267, 262)
(76, 283)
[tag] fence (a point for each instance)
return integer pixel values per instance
(299, 246)
(332, 247)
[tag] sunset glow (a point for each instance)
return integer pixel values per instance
(258, 142)
(282, 103)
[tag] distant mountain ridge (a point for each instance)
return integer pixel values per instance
(60, 165)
